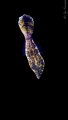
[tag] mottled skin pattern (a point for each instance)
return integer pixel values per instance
(35, 60)
(26, 24)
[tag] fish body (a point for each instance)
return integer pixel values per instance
(35, 60)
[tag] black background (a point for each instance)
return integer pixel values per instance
(48, 29)
(20, 86)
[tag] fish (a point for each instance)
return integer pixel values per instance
(32, 52)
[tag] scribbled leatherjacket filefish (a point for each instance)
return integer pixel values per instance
(35, 60)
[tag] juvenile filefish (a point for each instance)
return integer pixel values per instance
(35, 60)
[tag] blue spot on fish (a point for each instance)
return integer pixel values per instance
(23, 49)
